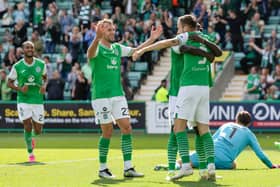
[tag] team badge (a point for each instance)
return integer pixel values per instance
(38, 69)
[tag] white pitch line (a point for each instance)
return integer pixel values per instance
(80, 160)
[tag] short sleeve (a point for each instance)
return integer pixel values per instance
(126, 51)
(176, 49)
(183, 38)
(13, 74)
(45, 69)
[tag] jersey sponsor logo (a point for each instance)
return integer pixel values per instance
(31, 78)
(38, 69)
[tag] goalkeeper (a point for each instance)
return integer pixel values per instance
(229, 141)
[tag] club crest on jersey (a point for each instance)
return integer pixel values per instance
(31, 78)
(38, 69)
(116, 52)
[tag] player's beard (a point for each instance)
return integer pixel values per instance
(29, 55)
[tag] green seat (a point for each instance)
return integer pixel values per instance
(269, 28)
(274, 20)
(237, 57)
(134, 75)
(140, 66)
(134, 84)
(64, 5)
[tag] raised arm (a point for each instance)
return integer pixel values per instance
(212, 46)
(254, 46)
(156, 46)
(155, 34)
(91, 52)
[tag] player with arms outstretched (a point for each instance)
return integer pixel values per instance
(108, 99)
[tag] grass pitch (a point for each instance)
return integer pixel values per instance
(72, 160)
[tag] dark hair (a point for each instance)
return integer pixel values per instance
(243, 118)
(188, 20)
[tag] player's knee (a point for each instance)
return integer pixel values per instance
(107, 134)
(38, 131)
(126, 129)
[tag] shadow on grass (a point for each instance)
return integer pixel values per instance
(199, 183)
(28, 163)
(249, 169)
(108, 182)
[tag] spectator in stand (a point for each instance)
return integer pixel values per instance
(117, 3)
(64, 62)
(3, 7)
(49, 67)
(55, 87)
(250, 58)
(38, 44)
(52, 12)
(1, 55)
(96, 14)
(214, 36)
(8, 41)
(6, 92)
(167, 23)
(7, 19)
(220, 25)
(162, 92)
(19, 53)
(21, 13)
(276, 76)
(84, 15)
(252, 91)
(52, 36)
(255, 27)
(274, 41)
(71, 78)
(90, 34)
(272, 93)
(235, 24)
(38, 17)
(263, 87)
(9, 59)
(81, 87)
(251, 9)
(19, 33)
(66, 22)
(275, 7)
(75, 43)
(119, 18)
(200, 11)
(147, 10)
(267, 61)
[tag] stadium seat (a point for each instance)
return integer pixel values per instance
(237, 57)
(269, 28)
(140, 67)
(134, 75)
(274, 20)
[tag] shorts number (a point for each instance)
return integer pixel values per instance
(124, 111)
(233, 132)
(41, 117)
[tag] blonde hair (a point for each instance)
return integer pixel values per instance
(28, 42)
(109, 21)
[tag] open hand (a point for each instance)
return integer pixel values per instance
(43, 89)
(275, 166)
(24, 89)
(156, 32)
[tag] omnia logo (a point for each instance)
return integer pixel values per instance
(262, 111)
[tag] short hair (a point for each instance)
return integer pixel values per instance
(189, 20)
(27, 42)
(243, 118)
(106, 21)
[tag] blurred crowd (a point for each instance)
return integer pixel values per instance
(62, 31)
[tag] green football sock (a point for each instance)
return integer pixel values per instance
(103, 147)
(183, 146)
(34, 133)
(172, 149)
(199, 146)
(28, 141)
(208, 147)
(126, 143)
